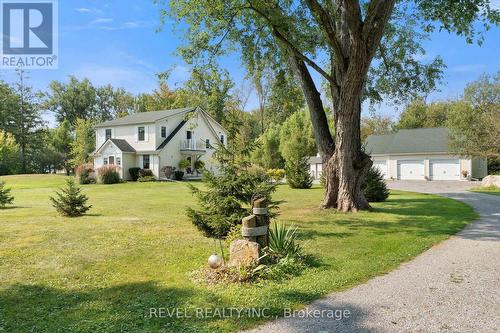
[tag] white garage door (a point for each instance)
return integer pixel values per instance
(444, 169)
(382, 166)
(411, 169)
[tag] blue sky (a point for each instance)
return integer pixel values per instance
(116, 42)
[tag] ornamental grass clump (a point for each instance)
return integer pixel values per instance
(108, 174)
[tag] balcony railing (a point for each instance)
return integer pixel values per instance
(191, 144)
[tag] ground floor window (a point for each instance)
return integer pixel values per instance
(105, 161)
(145, 161)
(111, 160)
(118, 161)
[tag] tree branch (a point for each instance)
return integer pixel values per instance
(322, 135)
(323, 19)
(378, 14)
(289, 45)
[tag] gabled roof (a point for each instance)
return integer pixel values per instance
(409, 141)
(121, 144)
(145, 117)
(171, 135)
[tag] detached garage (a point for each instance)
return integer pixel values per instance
(421, 154)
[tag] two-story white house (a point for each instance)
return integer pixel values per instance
(153, 140)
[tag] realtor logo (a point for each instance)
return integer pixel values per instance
(29, 34)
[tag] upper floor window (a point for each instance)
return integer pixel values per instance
(163, 132)
(222, 138)
(145, 161)
(141, 133)
(108, 133)
(207, 143)
(189, 135)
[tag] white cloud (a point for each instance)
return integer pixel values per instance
(468, 68)
(83, 10)
(100, 20)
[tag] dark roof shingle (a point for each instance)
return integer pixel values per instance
(410, 141)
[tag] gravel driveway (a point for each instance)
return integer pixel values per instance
(453, 287)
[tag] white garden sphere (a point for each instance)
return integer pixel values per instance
(214, 261)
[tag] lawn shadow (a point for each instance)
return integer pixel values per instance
(421, 216)
(13, 207)
(131, 307)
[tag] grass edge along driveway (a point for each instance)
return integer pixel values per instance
(135, 250)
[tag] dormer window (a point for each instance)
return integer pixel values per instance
(141, 133)
(108, 133)
(163, 132)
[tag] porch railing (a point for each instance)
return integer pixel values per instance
(191, 144)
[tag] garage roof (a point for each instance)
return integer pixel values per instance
(412, 141)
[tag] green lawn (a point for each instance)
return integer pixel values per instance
(494, 190)
(135, 251)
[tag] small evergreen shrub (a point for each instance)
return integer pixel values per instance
(297, 174)
(178, 175)
(85, 174)
(5, 197)
(70, 201)
(374, 187)
(134, 173)
(322, 179)
(108, 174)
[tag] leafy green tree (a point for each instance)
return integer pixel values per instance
(25, 120)
(8, 105)
(210, 87)
(84, 142)
(72, 100)
(62, 139)
(5, 197)
(285, 98)
(9, 153)
(340, 41)
(376, 125)
(296, 138)
(267, 154)
(474, 123)
(70, 201)
(418, 114)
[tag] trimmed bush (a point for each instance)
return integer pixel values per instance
(108, 174)
(178, 175)
(297, 174)
(134, 173)
(85, 174)
(69, 201)
(276, 175)
(374, 188)
(145, 173)
(5, 197)
(145, 179)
